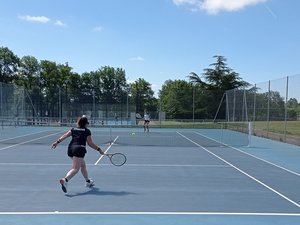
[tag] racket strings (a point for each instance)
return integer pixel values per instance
(118, 159)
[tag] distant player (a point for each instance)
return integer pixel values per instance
(146, 120)
(77, 150)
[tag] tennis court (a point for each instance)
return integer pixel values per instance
(172, 176)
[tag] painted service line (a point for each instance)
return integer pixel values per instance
(109, 164)
(7, 139)
(154, 213)
(25, 142)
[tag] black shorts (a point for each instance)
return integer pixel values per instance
(147, 121)
(76, 150)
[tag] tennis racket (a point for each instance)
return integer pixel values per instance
(138, 116)
(117, 159)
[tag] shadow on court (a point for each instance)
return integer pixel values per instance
(98, 192)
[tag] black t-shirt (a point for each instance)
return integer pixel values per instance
(79, 136)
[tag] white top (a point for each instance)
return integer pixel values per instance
(146, 116)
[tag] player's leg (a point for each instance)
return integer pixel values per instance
(84, 172)
(75, 167)
(71, 173)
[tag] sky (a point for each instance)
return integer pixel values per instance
(157, 40)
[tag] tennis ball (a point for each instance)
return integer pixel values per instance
(132, 133)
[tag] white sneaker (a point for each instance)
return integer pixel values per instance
(64, 184)
(90, 184)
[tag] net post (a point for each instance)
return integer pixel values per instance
(110, 136)
(250, 127)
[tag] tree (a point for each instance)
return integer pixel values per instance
(142, 95)
(109, 87)
(9, 64)
(28, 76)
(218, 80)
(176, 99)
(269, 106)
(68, 88)
(292, 103)
(220, 77)
(28, 72)
(293, 108)
(112, 84)
(50, 84)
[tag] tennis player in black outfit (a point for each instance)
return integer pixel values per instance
(77, 150)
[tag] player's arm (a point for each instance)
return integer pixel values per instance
(93, 145)
(63, 137)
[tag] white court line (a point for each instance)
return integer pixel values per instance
(243, 172)
(174, 165)
(106, 150)
(7, 139)
(246, 153)
(25, 142)
(154, 213)
(108, 164)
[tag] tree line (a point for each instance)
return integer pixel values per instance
(199, 96)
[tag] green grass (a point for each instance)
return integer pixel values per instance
(292, 127)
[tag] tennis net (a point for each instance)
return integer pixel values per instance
(233, 134)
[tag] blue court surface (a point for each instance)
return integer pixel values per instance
(184, 176)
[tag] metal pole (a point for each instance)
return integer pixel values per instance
(94, 106)
(127, 109)
(254, 108)
(193, 104)
(245, 104)
(254, 104)
(233, 110)
(160, 113)
(268, 112)
(1, 99)
(219, 106)
(286, 105)
(227, 107)
(59, 107)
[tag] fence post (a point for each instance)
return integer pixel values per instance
(59, 106)
(286, 105)
(227, 107)
(254, 104)
(193, 105)
(268, 109)
(233, 110)
(1, 105)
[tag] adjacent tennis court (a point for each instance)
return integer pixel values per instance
(171, 176)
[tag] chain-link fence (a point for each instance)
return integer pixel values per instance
(19, 106)
(58, 105)
(272, 106)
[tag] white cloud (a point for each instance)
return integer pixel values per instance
(98, 29)
(41, 19)
(191, 2)
(59, 23)
(38, 19)
(138, 58)
(216, 6)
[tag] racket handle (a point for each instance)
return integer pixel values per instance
(100, 151)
